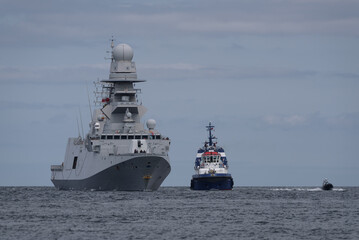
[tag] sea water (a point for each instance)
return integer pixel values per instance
(180, 213)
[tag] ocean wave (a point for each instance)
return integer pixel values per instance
(317, 189)
(339, 189)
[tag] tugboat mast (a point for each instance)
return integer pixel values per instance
(210, 127)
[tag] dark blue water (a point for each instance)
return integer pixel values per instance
(179, 213)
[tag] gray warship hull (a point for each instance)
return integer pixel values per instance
(141, 173)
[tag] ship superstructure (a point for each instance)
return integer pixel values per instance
(118, 153)
(211, 167)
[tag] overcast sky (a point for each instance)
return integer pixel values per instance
(278, 79)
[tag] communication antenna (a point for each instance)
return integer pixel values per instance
(112, 44)
(82, 127)
(112, 47)
(88, 98)
(78, 127)
(210, 128)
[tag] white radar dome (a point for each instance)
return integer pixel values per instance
(151, 124)
(122, 52)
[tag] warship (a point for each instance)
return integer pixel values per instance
(118, 153)
(211, 167)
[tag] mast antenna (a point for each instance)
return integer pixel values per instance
(82, 127)
(88, 98)
(78, 127)
(112, 47)
(112, 44)
(210, 127)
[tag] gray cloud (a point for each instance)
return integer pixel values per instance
(162, 71)
(347, 120)
(194, 72)
(78, 22)
(17, 105)
(313, 120)
(347, 75)
(52, 74)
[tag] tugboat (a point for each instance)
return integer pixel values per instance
(118, 153)
(211, 167)
(327, 185)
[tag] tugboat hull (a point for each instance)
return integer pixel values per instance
(212, 182)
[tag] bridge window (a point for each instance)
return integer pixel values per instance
(123, 137)
(116, 137)
(144, 136)
(103, 136)
(109, 137)
(130, 137)
(137, 137)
